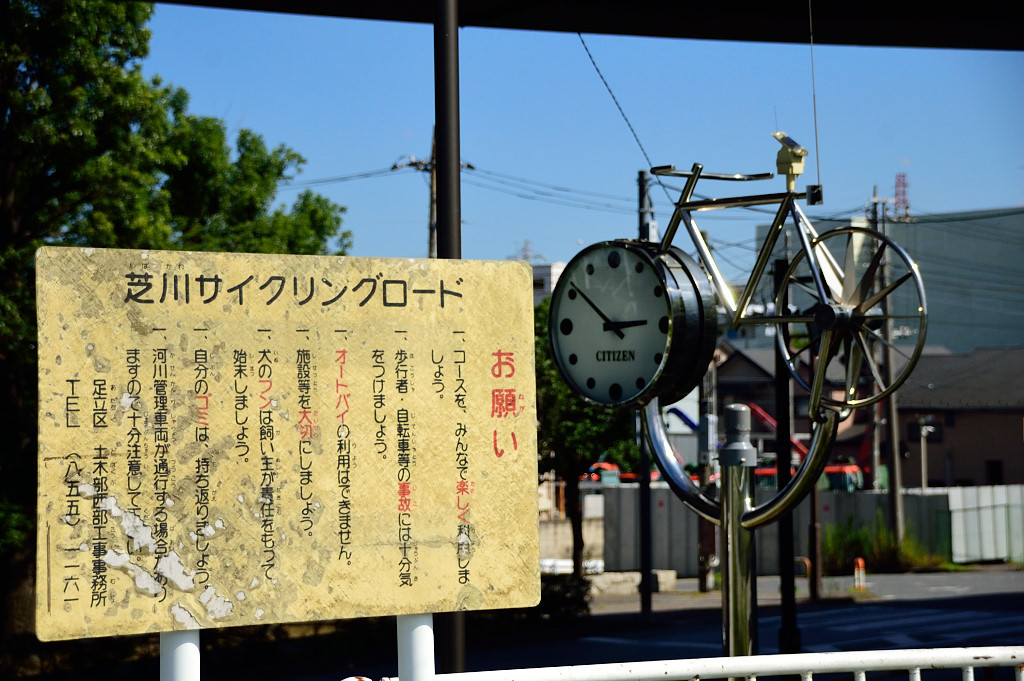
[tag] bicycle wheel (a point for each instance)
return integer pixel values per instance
(874, 312)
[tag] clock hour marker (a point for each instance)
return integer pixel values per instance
(616, 323)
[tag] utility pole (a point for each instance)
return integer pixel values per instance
(429, 166)
(895, 457)
(789, 631)
(432, 237)
(452, 638)
(707, 441)
(648, 231)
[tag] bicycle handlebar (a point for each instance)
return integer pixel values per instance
(670, 171)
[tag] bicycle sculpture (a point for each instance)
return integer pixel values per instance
(634, 323)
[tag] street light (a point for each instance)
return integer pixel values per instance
(924, 424)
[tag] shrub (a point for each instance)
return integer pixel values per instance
(877, 545)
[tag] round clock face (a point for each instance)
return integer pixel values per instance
(611, 321)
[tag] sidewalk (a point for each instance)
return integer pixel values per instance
(618, 596)
(686, 596)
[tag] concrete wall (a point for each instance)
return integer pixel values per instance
(556, 538)
(961, 524)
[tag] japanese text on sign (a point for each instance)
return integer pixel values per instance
(229, 439)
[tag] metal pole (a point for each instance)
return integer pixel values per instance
(814, 546)
(924, 424)
(646, 557)
(446, 114)
(179, 655)
(415, 647)
(449, 228)
(789, 632)
(896, 469)
(924, 459)
(432, 228)
(646, 214)
(707, 551)
(737, 457)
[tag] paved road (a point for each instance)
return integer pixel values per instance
(936, 610)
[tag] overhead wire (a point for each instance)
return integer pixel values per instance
(519, 187)
(555, 187)
(548, 197)
(291, 184)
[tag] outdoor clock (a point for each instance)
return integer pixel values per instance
(629, 323)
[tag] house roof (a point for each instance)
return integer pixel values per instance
(761, 358)
(985, 378)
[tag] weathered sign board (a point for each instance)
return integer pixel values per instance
(232, 439)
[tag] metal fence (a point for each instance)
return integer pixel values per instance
(962, 524)
(856, 664)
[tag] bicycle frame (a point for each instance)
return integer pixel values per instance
(830, 275)
(839, 302)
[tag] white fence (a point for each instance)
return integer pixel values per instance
(987, 523)
(806, 665)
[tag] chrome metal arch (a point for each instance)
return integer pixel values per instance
(653, 429)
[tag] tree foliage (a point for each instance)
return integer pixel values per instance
(94, 154)
(573, 434)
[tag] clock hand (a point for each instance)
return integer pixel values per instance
(613, 326)
(603, 316)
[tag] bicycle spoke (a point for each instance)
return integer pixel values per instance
(873, 300)
(853, 362)
(849, 268)
(868, 318)
(788, 319)
(830, 272)
(807, 288)
(887, 343)
(818, 374)
(832, 351)
(811, 343)
(857, 293)
(870, 359)
(898, 316)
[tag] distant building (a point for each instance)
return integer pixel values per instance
(971, 263)
(544, 279)
(973, 401)
(975, 404)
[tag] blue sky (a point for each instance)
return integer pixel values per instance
(355, 96)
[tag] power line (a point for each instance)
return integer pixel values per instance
(549, 198)
(520, 187)
(555, 187)
(334, 180)
(616, 100)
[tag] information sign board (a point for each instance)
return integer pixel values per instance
(231, 439)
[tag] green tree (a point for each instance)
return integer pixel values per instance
(573, 434)
(81, 146)
(94, 154)
(222, 203)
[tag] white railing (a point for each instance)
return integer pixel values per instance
(857, 663)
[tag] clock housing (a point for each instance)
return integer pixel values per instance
(629, 323)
